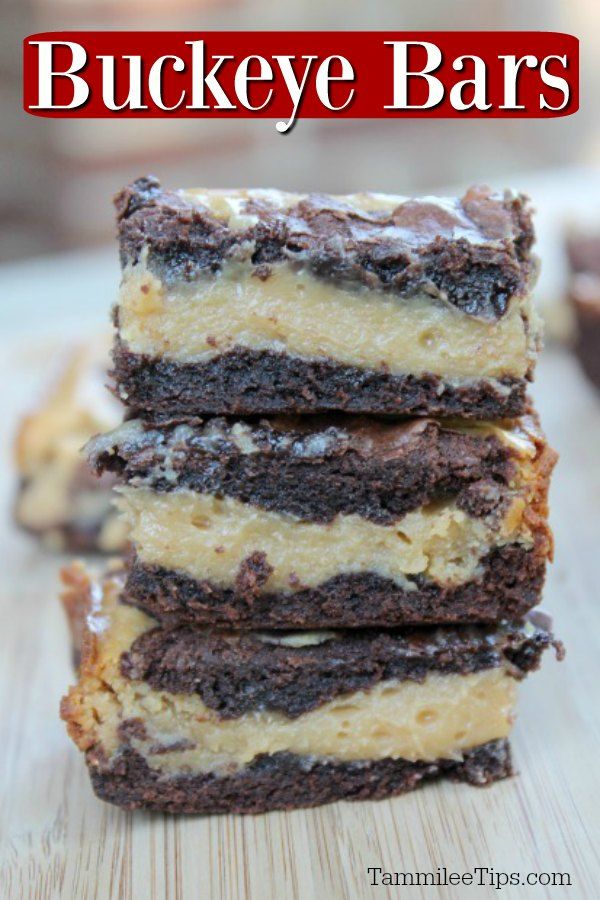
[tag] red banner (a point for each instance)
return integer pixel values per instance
(285, 75)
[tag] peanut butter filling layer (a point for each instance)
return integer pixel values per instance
(209, 538)
(439, 718)
(291, 311)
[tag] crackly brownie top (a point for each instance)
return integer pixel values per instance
(473, 251)
(294, 673)
(135, 446)
(318, 467)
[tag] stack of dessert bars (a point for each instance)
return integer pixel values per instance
(336, 495)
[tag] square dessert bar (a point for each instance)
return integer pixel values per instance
(333, 521)
(59, 500)
(262, 302)
(186, 719)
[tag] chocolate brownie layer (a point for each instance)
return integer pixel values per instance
(321, 467)
(245, 382)
(239, 673)
(284, 781)
(474, 251)
(509, 585)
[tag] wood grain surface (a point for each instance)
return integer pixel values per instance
(57, 840)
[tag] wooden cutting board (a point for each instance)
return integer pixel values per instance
(57, 840)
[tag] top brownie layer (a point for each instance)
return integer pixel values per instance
(318, 467)
(473, 251)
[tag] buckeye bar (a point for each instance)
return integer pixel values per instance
(262, 302)
(58, 498)
(332, 522)
(201, 720)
